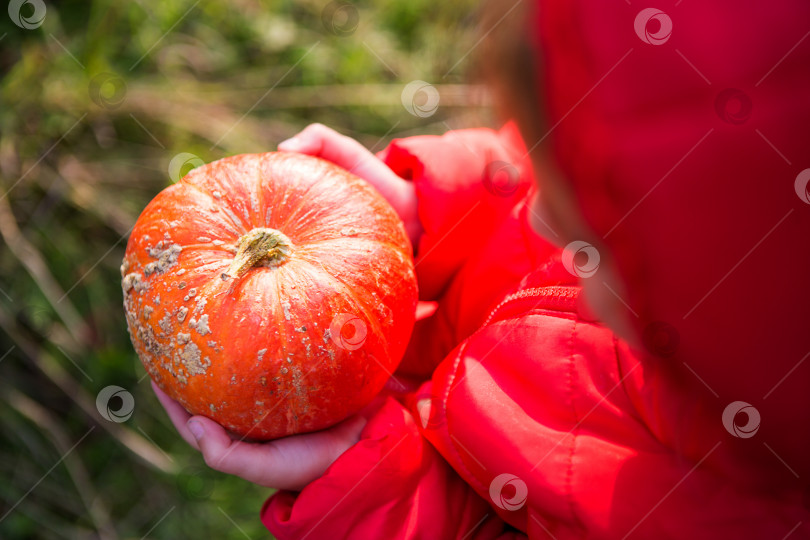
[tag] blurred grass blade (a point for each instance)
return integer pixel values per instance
(92, 502)
(33, 261)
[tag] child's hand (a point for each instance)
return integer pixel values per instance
(288, 463)
(319, 140)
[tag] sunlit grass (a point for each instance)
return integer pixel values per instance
(94, 103)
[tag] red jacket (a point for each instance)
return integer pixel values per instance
(684, 134)
(536, 420)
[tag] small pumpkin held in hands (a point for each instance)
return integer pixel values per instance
(274, 293)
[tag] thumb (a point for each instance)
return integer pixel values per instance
(302, 143)
(347, 433)
(212, 440)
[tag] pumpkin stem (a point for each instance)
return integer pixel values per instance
(261, 246)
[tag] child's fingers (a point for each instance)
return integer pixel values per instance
(217, 447)
(301, 144)
(289, 463)
(255, 462)
(177, 414)
(319, 140)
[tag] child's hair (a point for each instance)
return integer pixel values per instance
(510, 64)
(507, 62)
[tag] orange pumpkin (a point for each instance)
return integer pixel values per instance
(274, 293)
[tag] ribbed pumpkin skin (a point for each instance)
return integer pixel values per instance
(258, 353)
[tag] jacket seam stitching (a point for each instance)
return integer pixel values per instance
(575, 431)
(446, 435)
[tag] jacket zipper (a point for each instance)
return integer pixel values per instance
(563, 298)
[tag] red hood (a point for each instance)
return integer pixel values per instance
(683, 149)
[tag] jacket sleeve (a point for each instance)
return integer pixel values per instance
(392, 484)
(466, 182)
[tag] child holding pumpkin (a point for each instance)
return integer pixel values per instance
(525, 416)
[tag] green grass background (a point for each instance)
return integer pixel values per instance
(209, 78)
